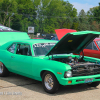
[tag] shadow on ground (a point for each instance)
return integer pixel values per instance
(14, 80)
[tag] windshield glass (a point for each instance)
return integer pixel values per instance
(42, 48)
(98, 43)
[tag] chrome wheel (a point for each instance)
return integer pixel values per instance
(1, 68)
(48, 81)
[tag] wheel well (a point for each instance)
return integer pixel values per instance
(3, 63)
(42, 72)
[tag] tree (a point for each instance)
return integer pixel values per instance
(44, 15)
(70, 10)
(94, 18)
(97, 13)
(82, 16)
(83, 24)
(75, 23)
(7, 10)
(55, 15)
(24, 16)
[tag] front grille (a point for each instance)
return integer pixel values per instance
(87, 69)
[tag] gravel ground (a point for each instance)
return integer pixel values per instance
(17, 87)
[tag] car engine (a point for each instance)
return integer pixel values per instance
(80, 67)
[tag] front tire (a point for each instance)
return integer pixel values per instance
(49, 82)
(93, 84)
(3, 70)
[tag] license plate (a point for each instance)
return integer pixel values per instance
(88, 80)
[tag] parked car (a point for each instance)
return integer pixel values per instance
(8, 36)
(51, 37)
(38, 38)
(93, 49)
(52, 62)
(55, 38)
(61, 32)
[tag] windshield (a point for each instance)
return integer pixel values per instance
(42, 48)
(98, 43)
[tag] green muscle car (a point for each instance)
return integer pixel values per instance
(52, 62)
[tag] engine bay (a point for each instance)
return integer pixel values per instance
(79, 66)
(73, 61)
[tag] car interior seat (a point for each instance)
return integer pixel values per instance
(24, 51)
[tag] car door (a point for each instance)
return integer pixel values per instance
(21, 61)
(9, 54)
(92, 51)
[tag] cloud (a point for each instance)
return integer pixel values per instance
(80, 6)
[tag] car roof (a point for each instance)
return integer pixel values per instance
(10, 36)
(33, 41)
(28, 41)
(96, 39)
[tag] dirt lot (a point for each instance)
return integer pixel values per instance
(17, 87)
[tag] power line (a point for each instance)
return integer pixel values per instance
(44, 16)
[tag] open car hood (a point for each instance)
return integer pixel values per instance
(61, 32)
(73, 42)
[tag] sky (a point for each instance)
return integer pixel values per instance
(84, 4)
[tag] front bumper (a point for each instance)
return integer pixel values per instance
(79, 79)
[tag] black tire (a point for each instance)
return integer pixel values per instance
(93, 84)
(3, 70)
(48, 86)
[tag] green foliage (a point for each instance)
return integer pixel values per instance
(70, 11)
(94, 18)
(23, 18)
(47, 15)
(83, 21)
(76, 23)
(97, 14)
(54, 15)
(7, 9)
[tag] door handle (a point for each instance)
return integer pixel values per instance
(12, 57)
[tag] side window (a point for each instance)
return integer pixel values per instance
(94, 47)
(23, 49)
(98, 43)
(12, 48)
(89, 46)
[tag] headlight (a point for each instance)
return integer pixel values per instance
(68, 74)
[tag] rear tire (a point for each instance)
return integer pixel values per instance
(93, 84)
(3, 70)
(49, 82)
